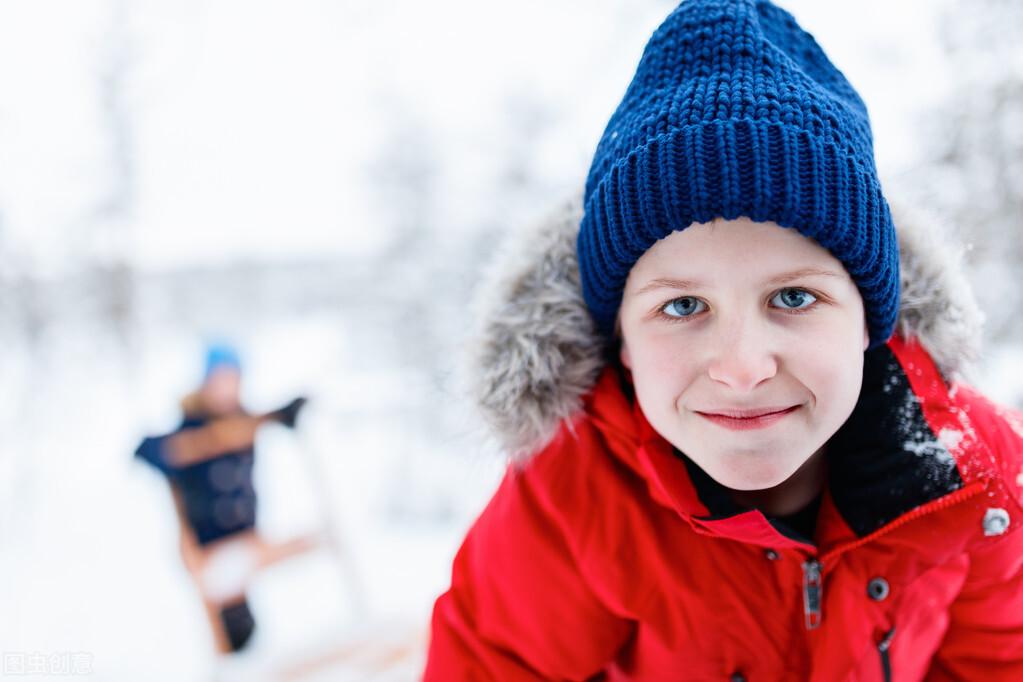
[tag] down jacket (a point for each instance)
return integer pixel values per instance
(606, 555)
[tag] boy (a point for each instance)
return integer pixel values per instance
(208, 463)
(728, 465)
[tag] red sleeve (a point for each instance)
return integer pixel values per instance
(985, 636)
(518, 608)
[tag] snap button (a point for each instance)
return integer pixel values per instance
(996, 521)
(878, 589)
(771, 555)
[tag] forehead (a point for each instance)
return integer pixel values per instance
(223, 375)
(734, 248)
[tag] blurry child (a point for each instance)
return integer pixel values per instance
(741, 449)
(208, 462)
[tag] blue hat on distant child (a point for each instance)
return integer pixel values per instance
(221, 356)
(735, 111)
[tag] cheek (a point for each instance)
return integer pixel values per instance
(660, 369)
(832, 369)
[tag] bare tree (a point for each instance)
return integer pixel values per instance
(109, 223)
(972, 169)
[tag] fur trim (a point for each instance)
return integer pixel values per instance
(536, 352)
(937, 305)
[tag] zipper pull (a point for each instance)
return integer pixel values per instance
(812, 592)
(883, 648)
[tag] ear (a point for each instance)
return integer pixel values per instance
(625, 356)
(866, 338)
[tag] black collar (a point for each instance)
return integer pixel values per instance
(883, 462)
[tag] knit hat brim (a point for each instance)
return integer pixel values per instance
(763, 170)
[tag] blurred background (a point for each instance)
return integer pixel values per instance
(323, 183)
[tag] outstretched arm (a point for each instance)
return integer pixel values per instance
(225, 434)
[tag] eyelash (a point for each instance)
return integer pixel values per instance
(791, 311)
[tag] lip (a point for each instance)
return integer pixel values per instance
(742, 420)
(748, 413)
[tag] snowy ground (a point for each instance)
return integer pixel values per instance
(90, 555)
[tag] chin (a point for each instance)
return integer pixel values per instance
(748, 484)
(755, 472)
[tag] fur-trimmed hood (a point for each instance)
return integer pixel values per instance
(536, 353)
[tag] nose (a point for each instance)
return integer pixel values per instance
(743, 357)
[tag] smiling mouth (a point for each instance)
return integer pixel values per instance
(742, 420)
(748, 414)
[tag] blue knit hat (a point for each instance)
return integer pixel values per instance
(736, 111)
(221, 356)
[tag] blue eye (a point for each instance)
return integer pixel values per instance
(682, 307)
(794, 299)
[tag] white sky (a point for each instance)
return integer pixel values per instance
(253, 123)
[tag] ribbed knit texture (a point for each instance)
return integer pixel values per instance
(736, 111)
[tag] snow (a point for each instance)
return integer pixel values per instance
(97, 568)
(931, 449)
(318, 181)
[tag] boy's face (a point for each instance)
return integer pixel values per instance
(220, 391)
(741, 317)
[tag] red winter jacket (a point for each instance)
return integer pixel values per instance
(608, 556)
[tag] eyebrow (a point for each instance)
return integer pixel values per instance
(669, 283)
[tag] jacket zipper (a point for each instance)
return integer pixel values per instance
(813, 584)
(883, 648)
(813, 588)
(941, 503)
